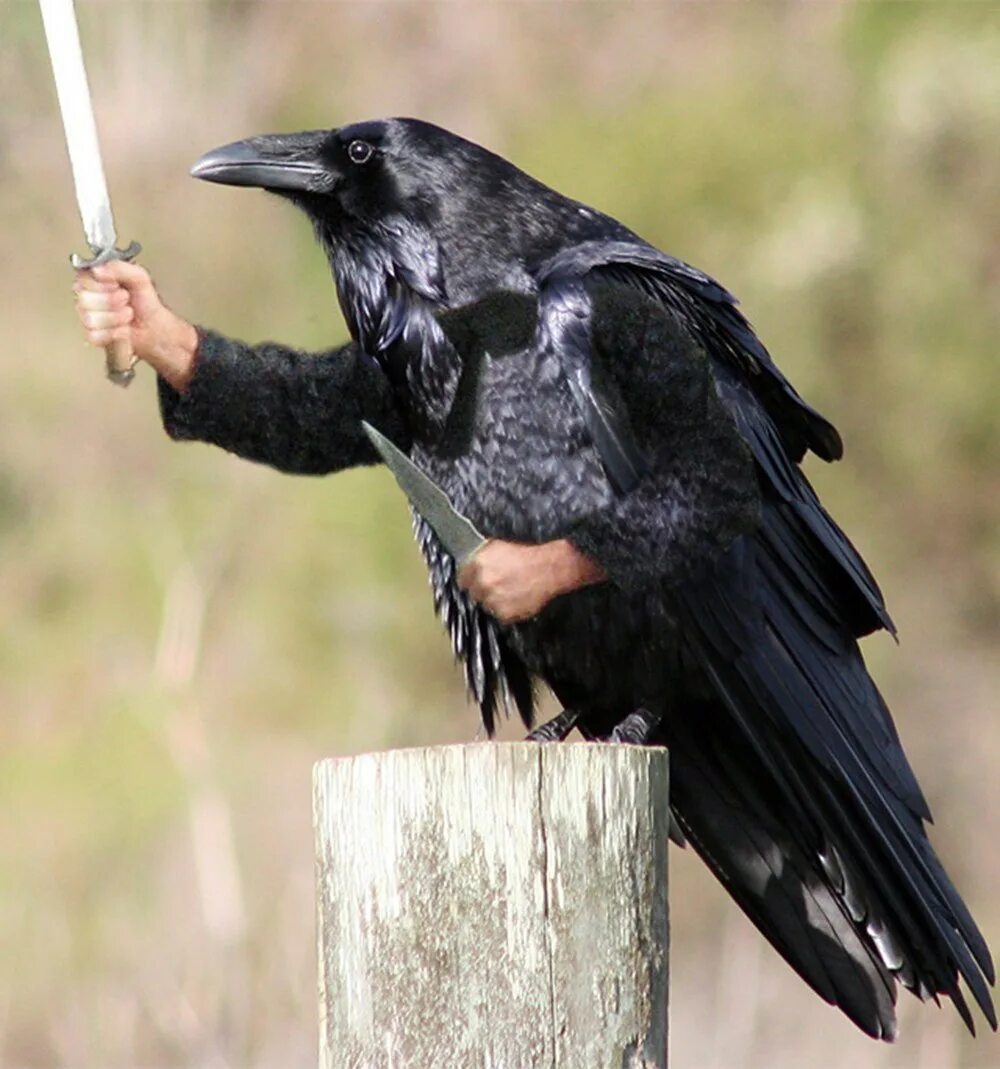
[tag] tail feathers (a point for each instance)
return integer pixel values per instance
(811, 735)
(881, 824)
(941, 942)
(893, 870)
(780, 887)
(883, 874)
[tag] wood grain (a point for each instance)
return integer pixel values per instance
(493, 905)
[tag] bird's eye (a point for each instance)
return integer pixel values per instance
(359, 152)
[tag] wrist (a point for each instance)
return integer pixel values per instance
(174, 350)
(569, 568)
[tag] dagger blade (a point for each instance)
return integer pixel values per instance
(458, 534)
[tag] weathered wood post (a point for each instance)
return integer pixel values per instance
(498, 905)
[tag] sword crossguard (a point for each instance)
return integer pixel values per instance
(104, 256)
(120, 361)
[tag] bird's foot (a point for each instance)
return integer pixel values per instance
(637, 728)
(556, 729)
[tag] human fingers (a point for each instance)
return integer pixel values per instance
(500, 580)
(107, 319)
(509, 607)
(103, 311)
(123, 273)
(139, 284)
(102, 300)
(104, 336)
(86, 282)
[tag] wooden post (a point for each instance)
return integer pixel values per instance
(497, 905)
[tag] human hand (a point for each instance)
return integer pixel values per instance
(514, 581)
(118, 301)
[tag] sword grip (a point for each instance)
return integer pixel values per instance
(120, 361)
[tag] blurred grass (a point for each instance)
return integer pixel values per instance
(184, 633)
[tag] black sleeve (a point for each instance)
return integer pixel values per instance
(700, 490)
(296, 411)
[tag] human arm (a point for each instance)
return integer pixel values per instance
(699, 491)
(295, 411)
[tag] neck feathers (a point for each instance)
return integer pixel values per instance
(390, 285)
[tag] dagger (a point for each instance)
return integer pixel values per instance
(458, 533)
(62, 35)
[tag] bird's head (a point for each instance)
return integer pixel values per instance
(404, 182)
(357, 174)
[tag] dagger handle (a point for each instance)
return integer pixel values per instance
(119, 360)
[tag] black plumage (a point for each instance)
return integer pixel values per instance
(559, 377)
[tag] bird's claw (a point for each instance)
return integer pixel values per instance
(637, 728)
(556, 729)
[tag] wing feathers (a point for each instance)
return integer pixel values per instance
(564, 312)
(713, 312)
(801, 704)
(773, 879)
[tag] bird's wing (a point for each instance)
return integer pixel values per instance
(765, 852)
(765, 631)
(775, 422)
(494, 674)
(773, 628)
(564, 329)
(808, 528)
(713, 312)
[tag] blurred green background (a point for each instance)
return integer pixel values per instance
(185, 633)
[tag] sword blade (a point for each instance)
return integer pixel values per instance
(59, 19)
(458, 533)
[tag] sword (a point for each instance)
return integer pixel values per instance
(458, 533)
(92, 198)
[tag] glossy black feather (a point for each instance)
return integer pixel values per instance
(493, 672)
(788, 693)
(564, 329)
(770, 869)
(714, 313)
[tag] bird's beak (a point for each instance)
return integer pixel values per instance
(279, 162)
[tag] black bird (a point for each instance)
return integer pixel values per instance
(560, 377)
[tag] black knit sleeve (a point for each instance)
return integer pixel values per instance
(296, 411)
(700, 490)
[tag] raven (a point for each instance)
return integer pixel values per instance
(559, 377)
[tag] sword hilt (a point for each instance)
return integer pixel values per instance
(119, 359)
